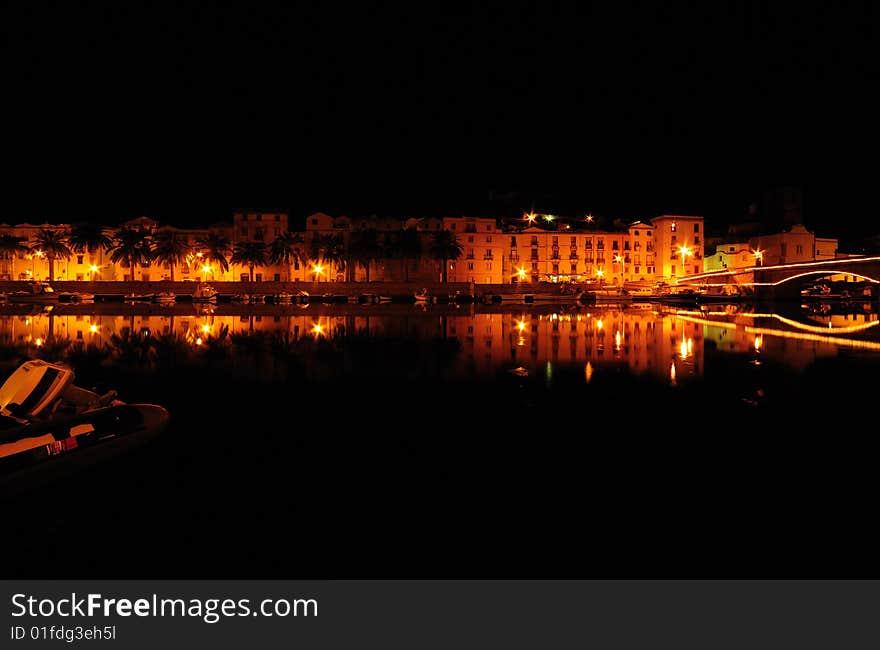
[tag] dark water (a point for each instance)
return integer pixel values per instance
(398, 441)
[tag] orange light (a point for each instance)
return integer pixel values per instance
(589, 217)
(530, 217)
(93, 268)
(206, 269)
(672, 373)
(759, 341)
(588, 372)
(600, 273)
(599, 324)
(199, 341)
(38, 342)
(522, 273)
(317, 329)
(521, 325)
(93, 329)
(206, 328)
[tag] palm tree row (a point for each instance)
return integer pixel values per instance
(131, 246)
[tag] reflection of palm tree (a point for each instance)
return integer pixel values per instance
(215, 248)
(169, 248)
(10, 247)
(131, 247)
(444, 246)
(53, 244)
(250, 254)
(89, 237)
(365, 248)
(286, 249)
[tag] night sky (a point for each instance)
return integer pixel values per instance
(625, 111)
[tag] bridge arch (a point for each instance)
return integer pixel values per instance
(822, 273)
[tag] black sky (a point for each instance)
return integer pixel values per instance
(386, 108)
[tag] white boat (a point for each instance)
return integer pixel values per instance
(284, 298)
(48, 425)
(139, 297)
(36, 292)
(205, 293)
(423, 296)
(76, 296)
(165, 297)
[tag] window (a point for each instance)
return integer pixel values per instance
(696, 269)
(259, 217)
(555, 268)
(673, 269)
(79, 259)
(648, 233)
(588, 244)
(258, 277)
(638, 260)
(277, 277)
(258, 234)
(489, 253)
(799, 249)
(513, 242)
(600, 243)
(696, 227)
(488, 240)
(696, 240)
(470, 253)
(534, 268)
(534, 240)
(315, 222)
(470, 239)
(615, 245)
(296, 264)
(488, 227)
(534, 254)
(673, 227)
(638, 232)
(244, 277)
(555, 240)
(470, 266)
(574, 269)
(574, 241)
(277, 217)
(488, 266)
(626, 245)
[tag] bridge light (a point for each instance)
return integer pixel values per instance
(759, 257)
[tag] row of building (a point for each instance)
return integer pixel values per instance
(661, 249)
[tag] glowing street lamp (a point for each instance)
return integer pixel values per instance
(589, 218)
(93, 329)
(93, 269)
(549, 217)
(530, 217)
(317, 269)
(206, 269)
(521, 273)
(685, 252)
(759, 257)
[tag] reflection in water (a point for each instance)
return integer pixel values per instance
(642, 339)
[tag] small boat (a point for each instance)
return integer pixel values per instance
(519, 372)
(165, 297)
(139, 297)
(205, 293)
(283, 298)
(36, 292)
(423, 296)
(49, 426)
(302, 298)
(76, 296)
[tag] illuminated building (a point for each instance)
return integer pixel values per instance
(679, 245)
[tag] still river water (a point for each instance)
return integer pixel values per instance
(323, 441)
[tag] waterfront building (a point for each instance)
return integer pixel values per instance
(729, 256)
(678, 241)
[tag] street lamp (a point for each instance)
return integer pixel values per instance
(530, 217)
(684, 251)
(521, 273)
(759, 257)
(317, 269)
(93, 269)
(618, 259)
(206, 269)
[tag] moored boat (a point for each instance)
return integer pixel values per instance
(49, 426)
(205, 293)
(36, 292)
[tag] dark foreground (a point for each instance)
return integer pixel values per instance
(377, 461)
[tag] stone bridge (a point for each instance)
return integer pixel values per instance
(787, 280)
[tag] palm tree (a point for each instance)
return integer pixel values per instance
(170, 248)
(286, 249)
(52, 244)
(89, 237)
(250, 254)
(365, 248)
(131, 247)
(444, 247)
(328, 249)
(12, 246)
(215, 248)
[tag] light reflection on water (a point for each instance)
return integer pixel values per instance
(666, 343)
